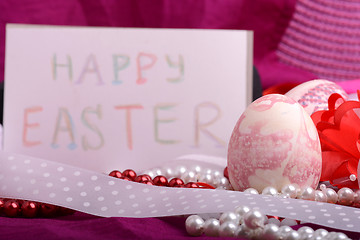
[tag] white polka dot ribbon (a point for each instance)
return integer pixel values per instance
(40, 180)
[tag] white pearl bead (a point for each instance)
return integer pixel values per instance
(217, 174)
(331, 236)
(283, 195)
(352, 177)
(206, 179)
(290, 189)
(229, 217)
(331, 195)
(251, 190)
(341, 236)
(357, 198)
(345, 196)
(215, 181)
(284, 231)
(305, 232)
(308, 194)
(320, 196)
(288, 222)
(242, 232)
(274, 221)
(227, 229)
(320, 233)
(196, 169)
(194, 225)
(269, 191)
(242, 210)
(189, 177)
(208, 171)
(270, 232)
(293, 235)
(336, 236)
(168, 172)
(211, 227)
(150, 173)
(224, 182)
(157, 171)
(322, 187)
(254, 219)
(256, 234)
(179, 171)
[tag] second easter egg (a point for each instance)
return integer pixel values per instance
(274, 143)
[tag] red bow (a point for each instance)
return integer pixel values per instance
(339, 132)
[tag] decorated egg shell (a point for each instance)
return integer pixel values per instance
(274, 143)
(313, 95)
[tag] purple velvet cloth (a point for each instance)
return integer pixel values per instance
(268, 20)
(83, 226)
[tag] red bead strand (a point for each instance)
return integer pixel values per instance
(205, 185)
(116, 174)
(12, 208)
(31, 209)
(142, 178)
(192, 185)
(176, 182)
(129, 173)
(48, 210)
(160, 180)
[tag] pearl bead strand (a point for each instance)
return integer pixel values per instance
(344, 196)
(252, 224)
(195, 173)
(216, 178)
(230, 225)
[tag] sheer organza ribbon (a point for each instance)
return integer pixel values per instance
(339, 132)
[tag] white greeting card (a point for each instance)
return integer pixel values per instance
(116, 98)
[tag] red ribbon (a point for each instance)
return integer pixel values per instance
(339, 132)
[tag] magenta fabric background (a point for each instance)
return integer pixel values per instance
(268, 19)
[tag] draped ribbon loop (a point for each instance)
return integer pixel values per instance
(339, 133)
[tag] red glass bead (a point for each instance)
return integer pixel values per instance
(116, 174)
(175, 181)
(226, 173)
(131, 174)
(180, 186)
(125, 178)
(191, 185)
(12, 208)
(48, 210)
(160, 181)
(29, 209)
(148, 182)
(66, 211)
(2, 203)
(143, 178)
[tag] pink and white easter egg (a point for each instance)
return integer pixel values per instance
(274, 143)
(313, 95)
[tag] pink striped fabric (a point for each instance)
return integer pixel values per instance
(323, 37)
